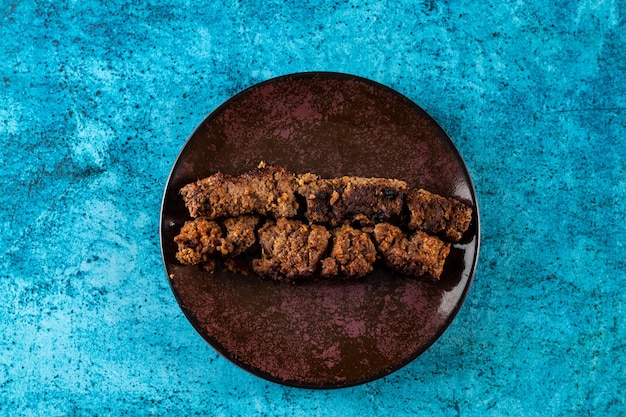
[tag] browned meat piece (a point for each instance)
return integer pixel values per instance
(266, 190)
(418, 255)
(290, 249)
(198, 240)
(352, 199)
(317, 193)
(353, 254)
(239, 235)
(438, 215)
(227, 212)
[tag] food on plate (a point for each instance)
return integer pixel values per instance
(365, 201)
(200, 239)
(287, 227)
(418, 254)
(240, 235)
(290, 249)
(352, 255)
(267, 190)
(438, 215)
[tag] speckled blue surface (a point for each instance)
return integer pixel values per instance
(97, 98)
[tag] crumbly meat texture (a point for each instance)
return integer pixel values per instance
(240, 235)
(290, 249)
(198, 241)
(268, 190)
(437, 215)
(317, 193)
(352, 256)
(345, 200)
(417, 255)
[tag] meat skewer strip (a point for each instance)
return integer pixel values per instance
(290, 249)
(346, 200)
(417, 255)
(264, 190)
(437, 215)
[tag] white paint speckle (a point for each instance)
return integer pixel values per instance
(10, 112)
(90, 142)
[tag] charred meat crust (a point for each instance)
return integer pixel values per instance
(198, 241)
(268, 191)
(352, 255)
(253, 223)
(240, 235)
(201, 239)
(437, 215)
(290, 249)
(346, 200)
(415, 255)
(275, 192)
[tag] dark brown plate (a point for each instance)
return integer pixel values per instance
(321, 334)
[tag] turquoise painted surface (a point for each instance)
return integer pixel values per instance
(97, 98)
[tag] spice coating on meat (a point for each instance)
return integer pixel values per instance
(352, 256)
(197, 241)
(240, 235)
(290, 249)
(419, 254)
(200, 239)
(367, 219)
(438, 215)
(352, 199)
(266, 191)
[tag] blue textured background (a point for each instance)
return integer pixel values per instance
(97, 98)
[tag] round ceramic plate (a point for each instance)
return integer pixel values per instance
(321, 333)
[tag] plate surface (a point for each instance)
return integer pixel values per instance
(321, 334)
